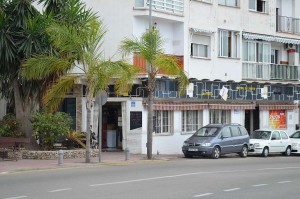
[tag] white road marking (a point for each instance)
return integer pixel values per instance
(259, 185)
(58, 190)
(189, 174)
(201, 195)
(282, 182)
(234, 189)
(17, 197)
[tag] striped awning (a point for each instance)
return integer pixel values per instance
(278, 106)
(197, 30)
(253, 36)
(232, 106)
(178, 106)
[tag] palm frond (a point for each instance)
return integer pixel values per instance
(58, 91)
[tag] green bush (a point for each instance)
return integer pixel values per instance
(9, 127)
(48, 127)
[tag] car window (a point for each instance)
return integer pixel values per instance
(243, 130)
(283, 135)
(235, 131)
(207, 132)
(263, 135)
(296, 135)
(226, 132)
(275, 136)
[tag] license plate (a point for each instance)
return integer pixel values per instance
(191, 149)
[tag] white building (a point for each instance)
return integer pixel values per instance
(248, 47)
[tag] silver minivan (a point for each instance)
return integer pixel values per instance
(216, 139)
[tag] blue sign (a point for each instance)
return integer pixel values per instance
(132, 104)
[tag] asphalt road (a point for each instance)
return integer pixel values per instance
(228, 177)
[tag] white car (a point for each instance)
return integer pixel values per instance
(295, 138)
(270, 141)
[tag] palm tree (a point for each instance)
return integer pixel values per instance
(78, 49)
(150, 47)
(21, 35)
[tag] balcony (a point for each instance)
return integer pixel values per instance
(259, 71)
(172, 6)
(288, 25)
(141, 62)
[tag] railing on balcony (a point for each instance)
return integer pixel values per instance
(174, 6)
(141, 62)
(288, 24)
(261, 71)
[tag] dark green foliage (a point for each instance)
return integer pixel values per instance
(48, 127)
(9, 127)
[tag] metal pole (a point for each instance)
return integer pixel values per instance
(100, 129)
(150, 15)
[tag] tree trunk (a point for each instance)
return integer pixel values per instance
(151, 88)
(23, 115)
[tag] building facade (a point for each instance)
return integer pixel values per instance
(241, 56)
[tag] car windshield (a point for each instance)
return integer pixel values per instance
(207, 132)
(264, 135)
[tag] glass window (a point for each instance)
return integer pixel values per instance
(191, 120)
(229, 2)
(226, 132)
(283, 135)
(235, 131)
(258, 5)
(228, 43)
(162, 122)
(243, 131)
(275, 136)
(207, 132)
(219, 116)
(256, 52)
(296, 135)
(200, 46)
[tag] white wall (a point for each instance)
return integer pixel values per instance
(238, 116)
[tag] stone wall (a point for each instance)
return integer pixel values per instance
(51, 155)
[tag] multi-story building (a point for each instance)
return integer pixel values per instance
(247, 49)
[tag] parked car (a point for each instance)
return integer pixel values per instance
(216, 139)
(270, 141)
(295, 139)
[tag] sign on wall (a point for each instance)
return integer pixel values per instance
(277, 119)
(135, 119)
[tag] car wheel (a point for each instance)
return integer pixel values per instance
(244, 151)
(265, 152)
(288, 151)
(216, 153)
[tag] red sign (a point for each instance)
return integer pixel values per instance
(277, 119)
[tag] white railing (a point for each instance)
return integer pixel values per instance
(261, 71)
(288, 24)
(174, 6)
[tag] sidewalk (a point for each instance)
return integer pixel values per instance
(108, 158)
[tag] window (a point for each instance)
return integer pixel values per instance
(235, 131)
(226, 132)
(229, 2)
(243, 131)
(228, 43)
(191, 120)
(257, 52)
(258, 5)
(200, 46)
(283, 135)
(162, 122)
(274, 56)
(219, 116)
(275, 136)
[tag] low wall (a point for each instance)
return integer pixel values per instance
(52, 155)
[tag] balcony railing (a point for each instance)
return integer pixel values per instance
(141, 62)
(288, 24)
(261, 71)
(174, 6)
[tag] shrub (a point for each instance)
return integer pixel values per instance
(48, 127)
(9, 127)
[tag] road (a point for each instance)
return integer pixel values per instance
(229, 177)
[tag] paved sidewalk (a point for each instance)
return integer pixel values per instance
(108, 158)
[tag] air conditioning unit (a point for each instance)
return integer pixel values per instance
(289, 46)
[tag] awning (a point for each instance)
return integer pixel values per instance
(232, 106)
(253, 36)
(178, 106)
(278, 106)
(197, 30)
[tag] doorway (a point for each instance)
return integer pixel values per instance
(252, 119)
